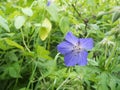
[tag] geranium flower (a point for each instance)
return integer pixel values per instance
(75, 49)
(49, 2)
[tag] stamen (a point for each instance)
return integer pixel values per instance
(77, 48)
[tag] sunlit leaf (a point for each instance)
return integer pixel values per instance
(64, 25)
(14, 44)
(2, 45)
(52, 10)
(27, 11)
(45, 29)
(42, 52)
(19, 21)
(4, 24)
(13, 14)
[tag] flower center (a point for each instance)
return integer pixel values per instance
(77, 48)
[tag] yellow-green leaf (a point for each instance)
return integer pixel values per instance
(45, 29)
(14, 44)
(43, 53)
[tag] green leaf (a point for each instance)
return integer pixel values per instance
(116, 68)
(118, 87)
(45, 29)
(112, 83)
(14, 70)
(27, 11)
(52, 10)
(4, 24)
(92, 62)
(42, 52)
(19, 22)
(14, 14)
(116, 16)
(14, 44)
(2, 45)
(50, 65)
(24, 88)
(91, 2)
(30, 54)
(64, 25)
(94, 27)
(103, 81)
(11, 56)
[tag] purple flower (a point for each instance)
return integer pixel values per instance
(75, 49)
(49, 2)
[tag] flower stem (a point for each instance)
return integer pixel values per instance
(24, 41)
(32, 76)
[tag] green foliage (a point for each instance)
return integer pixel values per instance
(27, 11)
(19, 21)
(30, 32)
(64, 25)
(14, 44)
(116, 16)
(53, 8)
(45, 29)
(3, 24)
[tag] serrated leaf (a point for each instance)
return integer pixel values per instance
(116, 16)
(19, 22)
(27, 11)
(45, 29)
(64, 25)
(3, 24)
(14, 44)
(103, 81)
(112, 83)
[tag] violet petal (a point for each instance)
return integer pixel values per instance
(82, 61)
(86, 43)
(71, 38)
(70, 59)
(64, 47)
